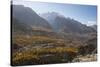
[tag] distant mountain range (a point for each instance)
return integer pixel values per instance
(66, 25)
(94, 27)
(26, 19)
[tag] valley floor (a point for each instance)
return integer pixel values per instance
(86, 58)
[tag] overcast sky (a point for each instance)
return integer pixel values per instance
(86, 14)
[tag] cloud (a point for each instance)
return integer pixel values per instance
(90, 23)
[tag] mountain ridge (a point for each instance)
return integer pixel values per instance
(57, 21)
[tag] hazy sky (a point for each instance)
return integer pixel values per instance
(86, 14)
